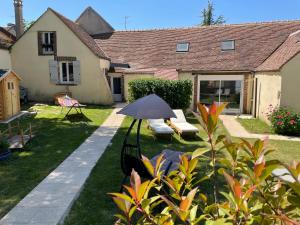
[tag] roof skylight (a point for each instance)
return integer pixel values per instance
(183, 47)
(228, 45)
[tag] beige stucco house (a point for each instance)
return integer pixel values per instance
(250, 66)
(6, 40)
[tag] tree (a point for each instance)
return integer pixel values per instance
(27, 24)
(208, 16)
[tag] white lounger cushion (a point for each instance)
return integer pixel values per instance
(186, 127)
(159, 127)
(180, 116)
(181, 124)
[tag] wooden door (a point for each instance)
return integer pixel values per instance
(12, 101)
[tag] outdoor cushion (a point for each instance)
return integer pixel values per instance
(180, 123)
(172, 160)
(185, 127)
(159, 126)
(180, 116)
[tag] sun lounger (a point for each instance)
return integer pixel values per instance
(159, 128)
(68, 102)
(181, 126)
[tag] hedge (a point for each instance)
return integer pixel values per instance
(178, 93)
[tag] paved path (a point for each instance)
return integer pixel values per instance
(51, 200)
(235, 129)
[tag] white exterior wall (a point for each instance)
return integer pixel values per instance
(5, 59)
(268, 92)
(34, 69)
(290, 74)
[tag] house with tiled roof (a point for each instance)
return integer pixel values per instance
(250, 66)
(6, 40)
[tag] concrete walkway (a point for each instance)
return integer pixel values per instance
(235, 129)
(51, 200)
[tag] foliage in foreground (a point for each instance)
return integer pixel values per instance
(284, 121)
(177, 93)
(252, 194)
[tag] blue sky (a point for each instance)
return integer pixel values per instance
(145, 14)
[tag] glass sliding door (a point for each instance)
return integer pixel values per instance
(222, 89)
(209, 92)
(231, 94)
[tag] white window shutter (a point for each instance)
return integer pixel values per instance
(76, 70)
(53, 68)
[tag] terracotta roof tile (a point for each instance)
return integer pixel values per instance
(82, 35)
(254, 43)
(289, 49)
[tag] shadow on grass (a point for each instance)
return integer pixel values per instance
(78, 117)
(55, 139)
(94, 206)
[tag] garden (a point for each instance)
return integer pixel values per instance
(219, 181)
(94, 206)
(282, 120)
(55, 139)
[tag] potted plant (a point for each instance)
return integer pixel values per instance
(4, 149)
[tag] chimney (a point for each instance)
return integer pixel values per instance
(19, 17)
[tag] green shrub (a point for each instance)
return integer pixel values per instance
(177, 94)
(284, 121)
(245, 192)
(3, 145)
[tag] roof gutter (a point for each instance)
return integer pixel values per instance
(213, 72)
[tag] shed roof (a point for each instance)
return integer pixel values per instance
(2, 72)
(5, 73)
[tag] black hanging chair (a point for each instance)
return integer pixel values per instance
(149, 107)
(131, 156)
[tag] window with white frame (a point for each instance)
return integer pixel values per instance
(183, 47)
(47, 41)
(228, 45)
(66, 72)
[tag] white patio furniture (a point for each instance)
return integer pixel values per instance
(160, 128)
(181, 126)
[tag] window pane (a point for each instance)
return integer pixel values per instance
(209, 92)
(51, 43)
(51, 38)
(48, 42)
(231, 93)
(228, 45)
(71, 73)
(46, 38)
(64, 72)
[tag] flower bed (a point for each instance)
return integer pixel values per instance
(284, 121)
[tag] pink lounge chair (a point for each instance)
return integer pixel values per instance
(66, 101)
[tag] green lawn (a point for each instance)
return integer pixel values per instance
(95, 207)
(256, 126)
(55, 139)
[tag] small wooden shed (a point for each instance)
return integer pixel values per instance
(9, 94)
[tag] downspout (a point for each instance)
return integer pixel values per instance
(253, 102)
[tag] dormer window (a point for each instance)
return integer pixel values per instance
(47, 42)
(183, 47)
(228, 45)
